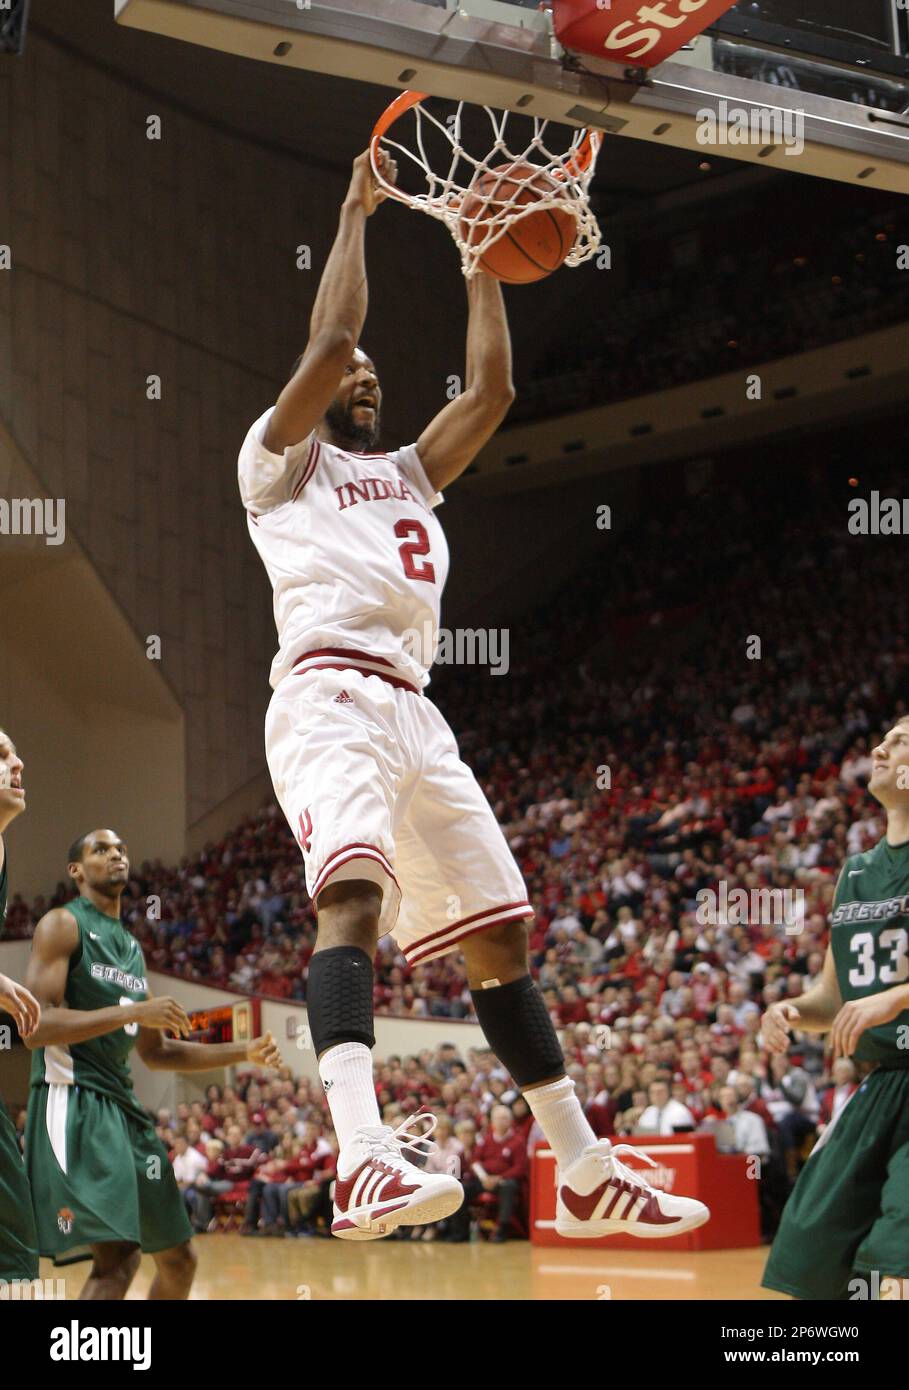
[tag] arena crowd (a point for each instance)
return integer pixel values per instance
(664, 768)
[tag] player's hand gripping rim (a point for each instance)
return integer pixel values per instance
(365, 190)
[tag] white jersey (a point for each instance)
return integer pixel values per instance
(356, 558)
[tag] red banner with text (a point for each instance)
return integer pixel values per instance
(628, 31)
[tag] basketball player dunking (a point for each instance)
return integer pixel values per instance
(18, 1240)
(395, 832)
(846, 1224)
(102, 1183)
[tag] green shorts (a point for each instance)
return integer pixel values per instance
(98, 1173)
(18, 1239)
(848, 1214)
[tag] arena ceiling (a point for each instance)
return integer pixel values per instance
(324, 121)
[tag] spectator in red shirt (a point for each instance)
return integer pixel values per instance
(571, 1007)
(303, 1201)
(499, 1166)
(703, 990)
(694, 1075)
(746, 1088)
(523, 1119)
(270, 1174)
(600, 1115)
(240, 1160)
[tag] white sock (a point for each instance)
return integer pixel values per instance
(346, 1072)
(558, 1112)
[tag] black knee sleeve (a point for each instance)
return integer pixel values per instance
(339, 998)
(519, 1030)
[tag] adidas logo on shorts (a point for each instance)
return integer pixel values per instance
(342, 699)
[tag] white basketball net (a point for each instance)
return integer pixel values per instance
(491, 212)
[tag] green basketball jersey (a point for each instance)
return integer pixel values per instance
(107, 967)
(4, 881)
(869, 936)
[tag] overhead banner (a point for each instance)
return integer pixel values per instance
(628, 32)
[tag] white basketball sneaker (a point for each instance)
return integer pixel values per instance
(378, 1189)
(599, 1196)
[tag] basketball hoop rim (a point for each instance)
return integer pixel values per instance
(405, 101)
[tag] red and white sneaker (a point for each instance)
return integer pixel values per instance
(378, 1189)
(600, 1196)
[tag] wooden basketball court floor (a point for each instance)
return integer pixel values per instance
(250, 1268)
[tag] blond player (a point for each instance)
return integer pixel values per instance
(846, 1223)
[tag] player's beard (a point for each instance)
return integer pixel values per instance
(354, 438)
(111, 887)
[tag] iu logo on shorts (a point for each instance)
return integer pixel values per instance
(303, 837)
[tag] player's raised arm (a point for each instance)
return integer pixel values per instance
(457, 434)
(160, 1053)
(337, 318)
(56, 938)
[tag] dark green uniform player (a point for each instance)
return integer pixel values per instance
(848, 1214)
(98, 1170)
(101, 1177)
(18, 1239)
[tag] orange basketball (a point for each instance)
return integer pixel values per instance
(534, 246)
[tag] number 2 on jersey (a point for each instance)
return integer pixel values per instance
(411, 548)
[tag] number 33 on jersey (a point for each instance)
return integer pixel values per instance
(869, 935)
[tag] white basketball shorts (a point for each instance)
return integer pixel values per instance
(368, 774)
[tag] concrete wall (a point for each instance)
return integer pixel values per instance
(176, 257)
(96, 724)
